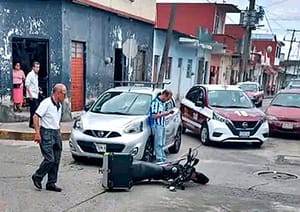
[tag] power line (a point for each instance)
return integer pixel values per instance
(276, 3)
(230, 19)
(268, 23)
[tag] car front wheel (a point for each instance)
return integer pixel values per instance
(204, 135)
(149, 150)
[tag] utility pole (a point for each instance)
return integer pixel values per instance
(247, 41)
(290, 49)
(164, 60)
(249, 19)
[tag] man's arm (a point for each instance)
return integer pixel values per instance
(163, 113)
(29, 93)
(27, 83)
(36, 124)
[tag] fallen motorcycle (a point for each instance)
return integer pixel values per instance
(176, 173)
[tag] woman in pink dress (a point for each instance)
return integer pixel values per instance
(18, 79)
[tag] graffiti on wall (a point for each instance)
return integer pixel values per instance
(24, 26)
(116, 37)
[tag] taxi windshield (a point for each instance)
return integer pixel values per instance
(229, 99)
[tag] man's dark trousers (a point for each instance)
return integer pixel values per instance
(51, 147)
(33, 104)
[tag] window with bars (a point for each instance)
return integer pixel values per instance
(77, 49)
(168, 70)
(179, 63)
(189, 68)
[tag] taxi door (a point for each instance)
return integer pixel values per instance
(194, 109)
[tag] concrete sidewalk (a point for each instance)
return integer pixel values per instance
(21, 131)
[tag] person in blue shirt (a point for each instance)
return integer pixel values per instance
(158, 113)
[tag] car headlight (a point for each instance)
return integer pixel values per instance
(271, 118)
(78, 124)
(219, 118)
(135, 127)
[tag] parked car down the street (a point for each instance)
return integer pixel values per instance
(118, 121)
(294, 84)
(222, 113)
(253, 91)
(283, 113)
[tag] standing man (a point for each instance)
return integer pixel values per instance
(32, 90)
(47, 134)
(157, 121)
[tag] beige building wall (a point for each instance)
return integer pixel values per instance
(144, 9)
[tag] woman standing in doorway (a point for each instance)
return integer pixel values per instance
(18, 79)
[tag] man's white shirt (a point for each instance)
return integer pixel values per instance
(32, 81)
(50, 113)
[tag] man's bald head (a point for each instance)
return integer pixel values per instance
(59, 92)
(59, 87)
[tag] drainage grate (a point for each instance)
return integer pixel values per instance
(277, 175)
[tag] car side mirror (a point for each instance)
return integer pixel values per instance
(88, 105)
(199, 103)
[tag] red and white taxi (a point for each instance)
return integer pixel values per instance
(253, 91)
(223, 113)
(283, 113)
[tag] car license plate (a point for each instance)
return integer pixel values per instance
(244, 134)
(287, 126)
(100, 147)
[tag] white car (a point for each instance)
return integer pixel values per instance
(118, 121)
(222, 113)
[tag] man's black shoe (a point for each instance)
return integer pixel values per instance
(53, 188)
(37, 184)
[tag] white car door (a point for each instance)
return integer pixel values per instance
(172, 121)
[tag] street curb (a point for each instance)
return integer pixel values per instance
(26, 136)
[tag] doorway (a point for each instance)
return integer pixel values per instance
(28, 50)
(77, 75)
(118, 68)
(200, 71)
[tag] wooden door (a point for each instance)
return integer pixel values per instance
(77, 76)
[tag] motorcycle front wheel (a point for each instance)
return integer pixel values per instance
(199, 178)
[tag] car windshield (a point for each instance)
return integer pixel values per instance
(229, 99)
(124, 103)
(286, 100)
(294, 84)
(249, 87)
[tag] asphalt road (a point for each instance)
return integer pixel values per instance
(234, 183)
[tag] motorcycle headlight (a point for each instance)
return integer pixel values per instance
(271, 118)
(135, 127)
(219, 118)
(78, 124)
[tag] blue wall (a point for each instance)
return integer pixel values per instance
(102, 32)
(64, 21)
(30, 19)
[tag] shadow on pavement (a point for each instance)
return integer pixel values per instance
(231, 145)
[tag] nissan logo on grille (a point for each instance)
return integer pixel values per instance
(244, 125)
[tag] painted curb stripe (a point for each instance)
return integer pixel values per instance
(25, 136)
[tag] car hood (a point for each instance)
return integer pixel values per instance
(289, 113)
(240, 114)
(109, 122)
(250, 93)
